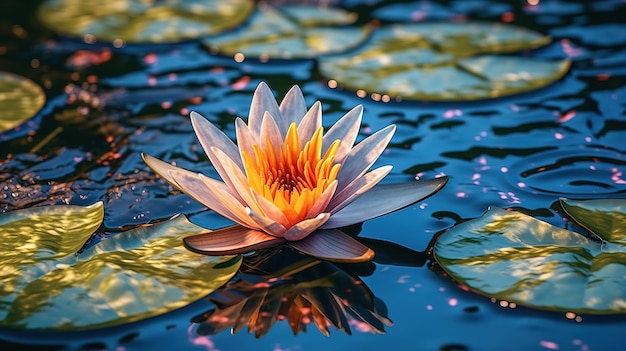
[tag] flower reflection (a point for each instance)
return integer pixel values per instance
(282, 284)
(288, 182)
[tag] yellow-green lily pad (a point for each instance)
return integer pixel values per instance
(445, 62)
(515, 257)
(137, 21)
(46, 283)
(291, 32)
(20, 98)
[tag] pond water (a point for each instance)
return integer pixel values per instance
(106, 105)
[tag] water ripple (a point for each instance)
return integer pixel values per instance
(580, 172)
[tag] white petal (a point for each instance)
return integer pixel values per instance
(210, 136)
(333, 245)
(262, 100)
(162, 169)
(382, 199)
(346, 129)
(292, 109)
(321, 204)
(236, 180)
(267, 225)
(310, 123)
(270, 132)
(214, 195)
(269, 209)
(357, 188)
(245, 138)
(301, 229)
(363, 155)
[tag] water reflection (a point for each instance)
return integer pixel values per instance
(575, 171)
(283, 285)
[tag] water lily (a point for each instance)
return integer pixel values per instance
(287, 182)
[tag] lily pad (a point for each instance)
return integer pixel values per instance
(290, 32)
(137, 21)
(445, 62)
(514, 257)
(46, 283)
(20, 99)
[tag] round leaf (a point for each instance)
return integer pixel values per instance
(133, 275)
(20, 98)
(515, 257)
(290, 32)
(606, 218)
(139, 21)
(444, 62)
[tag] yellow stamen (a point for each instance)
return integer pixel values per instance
(291, 177)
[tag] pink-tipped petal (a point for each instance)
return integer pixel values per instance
(162, 169)
(210, 136)
(266, 224)
(321, 204)
(212, 198)
(269, 209)
(292, 109)
(346, 129)
(235, 179)
(311, 121)
(357, 188)
(245, 138)
(333, 245)
(223, 194)
(302, 229)
(270, 132)
(224, 173)
(382, 199)
(212, 194)
(363, 155)
(262, 100)
(230, 241)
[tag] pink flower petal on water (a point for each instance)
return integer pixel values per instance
(162, 169)
(302, 229)
(235, 179)
(357, 188)
(346, 129)
(245, 138)
(322, 202)
(292, 109)
(333, 245)
(263, 100)
(230, 241)
(382, 199)
(212, 194)
(363, 155)
(269, 209)
(270, 133)
(311, 121)
(267, 225)
(210, 136)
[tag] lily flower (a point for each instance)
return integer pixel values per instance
(287, 182)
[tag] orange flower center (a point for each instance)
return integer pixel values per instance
(291, 177)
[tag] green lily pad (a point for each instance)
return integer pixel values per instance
(137, 21)
(290, 32)
(445, 62)
(514, 257)
(603, 217)
(20, 99)
(47, 284)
